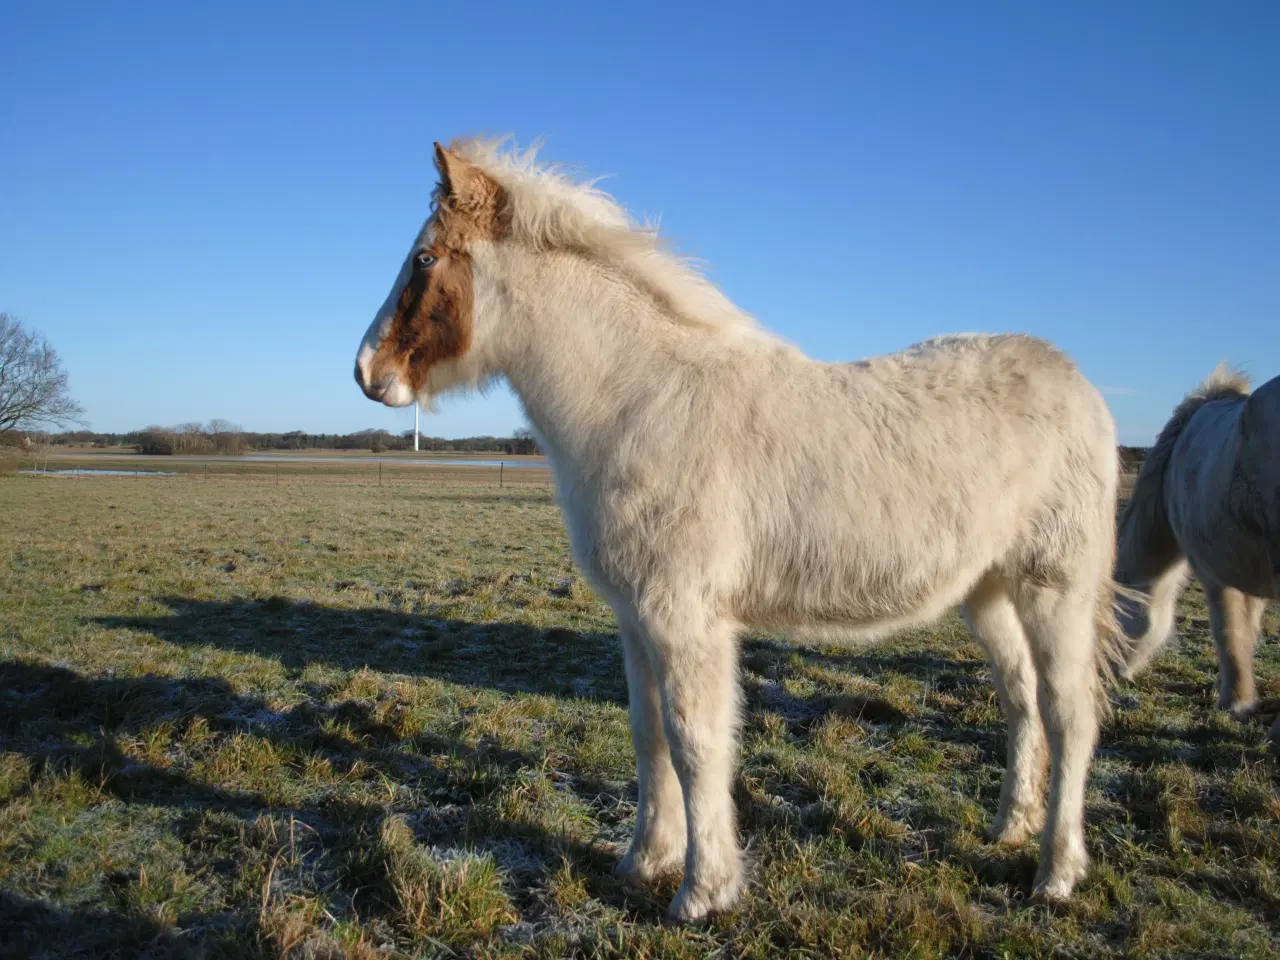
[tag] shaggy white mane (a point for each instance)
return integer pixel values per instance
(549, 211)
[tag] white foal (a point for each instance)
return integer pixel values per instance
(714, 478)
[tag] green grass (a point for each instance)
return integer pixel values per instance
(244, 720)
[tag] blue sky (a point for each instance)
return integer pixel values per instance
(203, 205)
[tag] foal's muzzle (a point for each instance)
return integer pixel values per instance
(388, 389)
(375, 390)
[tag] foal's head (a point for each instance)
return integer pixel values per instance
(507, 235)
(422, 340)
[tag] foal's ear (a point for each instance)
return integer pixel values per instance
(465, 184)
(448, 166)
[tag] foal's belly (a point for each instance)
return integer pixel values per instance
(875, 565)
(872, 593)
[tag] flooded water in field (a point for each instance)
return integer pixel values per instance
(94, 472)
(405, 461)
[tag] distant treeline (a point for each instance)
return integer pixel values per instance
(227, 439)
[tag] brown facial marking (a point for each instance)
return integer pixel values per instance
(435, 316)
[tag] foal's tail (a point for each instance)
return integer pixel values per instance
(1113, 644)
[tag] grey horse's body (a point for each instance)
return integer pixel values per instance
(1207, 501)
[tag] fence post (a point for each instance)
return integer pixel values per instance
(206, 472)
(379, 473)
(501, 464)
(277, 474)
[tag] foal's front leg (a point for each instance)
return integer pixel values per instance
(994, 620)
(658, 845)
(697, 676)
(1060, 626)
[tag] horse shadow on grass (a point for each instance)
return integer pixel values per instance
(37, 928)
(66, 724)
(515, 658)
(508, 657)
(512, 659)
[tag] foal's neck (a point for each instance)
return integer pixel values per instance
(587, 351)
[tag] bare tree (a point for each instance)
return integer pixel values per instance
(156, 441)
(228, 438)
(38, 446)
(190, 438)
(33, 385)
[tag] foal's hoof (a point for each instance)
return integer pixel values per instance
(1129, 672)
(1241, 711)
(1017, 828)
(691, 904)
(643, 868)
(1057, 885)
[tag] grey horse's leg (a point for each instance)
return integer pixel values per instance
(1236, 618)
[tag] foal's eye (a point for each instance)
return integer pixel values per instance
(425, 260)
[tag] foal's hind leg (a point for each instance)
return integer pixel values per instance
(1236, 619)
(658, 845)
(1060, 627)
(994, 621)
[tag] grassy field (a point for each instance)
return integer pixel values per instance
(245, 720)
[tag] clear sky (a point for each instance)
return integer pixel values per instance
(202, 205)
